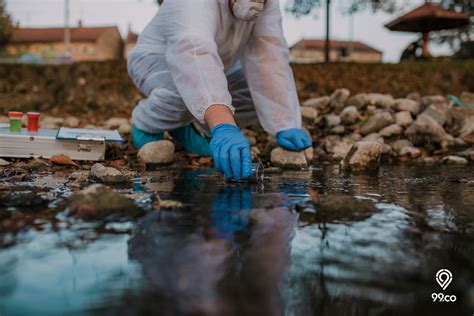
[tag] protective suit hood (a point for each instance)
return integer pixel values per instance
(248, 10)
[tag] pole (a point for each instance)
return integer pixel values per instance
(67, 30)
(327, 47)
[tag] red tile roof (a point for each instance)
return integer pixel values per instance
(320, 44)
(47, 35)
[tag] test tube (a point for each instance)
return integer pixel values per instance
(257, 173)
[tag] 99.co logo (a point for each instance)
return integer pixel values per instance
(444, 277)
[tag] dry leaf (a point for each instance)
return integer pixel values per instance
(63, 160)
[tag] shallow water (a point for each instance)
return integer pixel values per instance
(253, 249)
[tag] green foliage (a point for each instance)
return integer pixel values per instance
(6, 26)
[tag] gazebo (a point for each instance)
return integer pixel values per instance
(426, 18)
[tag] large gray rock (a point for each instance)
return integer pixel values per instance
(339, 98)
(360, 100)
(286, 159)
(407, 105)
(440, 112)
(320, 103)
(385, 101)
(363, 155)
(99, 202)
(376, 122)
(403, 118)
(106, 174)
(391, 130)
(432, 99)
(160, 152)
(350, 114)
(427, 130)
(309, 115)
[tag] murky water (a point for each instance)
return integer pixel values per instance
(258, 249)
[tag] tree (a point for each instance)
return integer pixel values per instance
(6, 26)
(304, 7)
(457, 36)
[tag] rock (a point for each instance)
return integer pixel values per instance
(350, 115)
(371, 110)
(341, 208)
(403, 118)
(125, 128)
(426, 129)
(410, 151)
(454, 160)
(467, 98)
(399, 144)
(355, 137)
(317, 103)
(337, 147)
(160, 152)
(309, 154)
(99, 202)
(72, 122)
(374, 137)
(385, 101)
(50, 122)
(332, 120)
(106, 174)
(288, 159)
(407, 105)
(391, 130)
(440, 112)
(24, 198)
(338, 130)
(116, 122)
(309, 115)
(415, 96)
(339, 98)
(363, 155)
(433, 99)
(360, 101)
(3, 162)
(376, 122)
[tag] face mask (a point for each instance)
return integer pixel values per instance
(247, 10)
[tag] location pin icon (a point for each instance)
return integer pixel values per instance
(444, 278)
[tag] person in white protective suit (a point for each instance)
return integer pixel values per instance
(208, 60)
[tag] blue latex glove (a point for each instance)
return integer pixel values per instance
(293, 139)
(231, 152)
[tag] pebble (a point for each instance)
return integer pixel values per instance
(3, 162)
(376, 122)
(363, 155)
(350, 114)
(403, 118)
(407, 105)
(286, 159)
(332, 120)
(454, 160)
(391, 130)
(160, 152)
(317, 103)
(360, 101)
(309, 115)
(338, 98)
(410, 151)
(385, 101)
(106, 174)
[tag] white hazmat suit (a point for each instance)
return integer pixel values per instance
(195, 53)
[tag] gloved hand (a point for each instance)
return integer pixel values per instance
(293, 139)
(231, 152)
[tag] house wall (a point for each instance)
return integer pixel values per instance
(108, 47)
(317, 55)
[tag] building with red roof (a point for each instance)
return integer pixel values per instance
(87, 43)
(312, 51)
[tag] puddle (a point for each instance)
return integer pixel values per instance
(249, 249)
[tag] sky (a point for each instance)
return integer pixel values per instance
(368, 27)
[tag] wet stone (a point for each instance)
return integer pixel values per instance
(363, 155)
(454, 160)
(288, 159)
(106, 174)
(99, 202)
(160, 152)
(23, 198)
